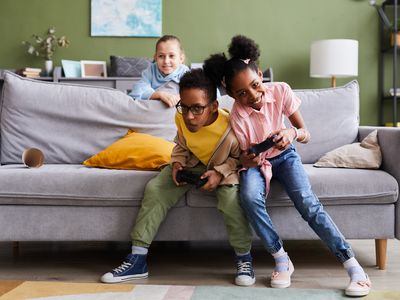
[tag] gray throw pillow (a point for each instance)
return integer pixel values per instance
(128, 66)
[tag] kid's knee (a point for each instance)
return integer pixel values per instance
(151, 187)
(249, 195)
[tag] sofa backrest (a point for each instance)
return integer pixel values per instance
(70, 123)
(331, 115)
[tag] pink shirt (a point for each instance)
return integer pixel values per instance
(252, 126)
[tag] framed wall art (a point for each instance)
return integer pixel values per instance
(126, 18)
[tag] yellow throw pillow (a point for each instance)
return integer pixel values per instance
(135, 151)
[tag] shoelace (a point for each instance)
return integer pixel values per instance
(244, 267)
(274, 274)
(364, 283)
(125, 265)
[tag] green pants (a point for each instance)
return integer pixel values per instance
(161, 194)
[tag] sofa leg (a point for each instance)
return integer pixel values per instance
(380, 251)
(15, 246)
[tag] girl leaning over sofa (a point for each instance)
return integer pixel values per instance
(168, 66)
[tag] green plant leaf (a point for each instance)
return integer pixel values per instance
(31, 49)
(46, 45)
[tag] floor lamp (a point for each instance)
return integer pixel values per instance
(334, 59)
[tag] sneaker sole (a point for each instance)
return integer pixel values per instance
(126, 278)
(249, 283)
(280, 286)
(356, 294)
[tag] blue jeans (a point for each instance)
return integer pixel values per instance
(288, 169)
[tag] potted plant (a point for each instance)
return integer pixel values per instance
(45, 46)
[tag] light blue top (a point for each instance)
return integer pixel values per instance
(152, 79)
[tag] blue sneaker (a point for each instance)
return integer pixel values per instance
(133, 267)
(245, 274)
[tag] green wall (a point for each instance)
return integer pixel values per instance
(283, 29)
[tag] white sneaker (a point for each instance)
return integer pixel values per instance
(359, 288)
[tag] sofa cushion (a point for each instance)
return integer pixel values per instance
(70, 123)
(332, 186)
(332, 117)
(72, 185)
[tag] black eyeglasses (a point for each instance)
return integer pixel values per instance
(194, 109)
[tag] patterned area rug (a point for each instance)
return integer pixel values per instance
(90, 291)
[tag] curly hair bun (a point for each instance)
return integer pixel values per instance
(242, 47)
(214, 67)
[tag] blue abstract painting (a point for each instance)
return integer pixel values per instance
(141, 18)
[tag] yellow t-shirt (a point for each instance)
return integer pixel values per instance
(203, 142)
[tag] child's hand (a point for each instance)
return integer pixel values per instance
(176, 166)
(284, 138)
(169, 99)
(213, 177)
(249, 160)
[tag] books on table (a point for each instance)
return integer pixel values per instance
(29, 72)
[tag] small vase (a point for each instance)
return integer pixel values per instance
(48, 67)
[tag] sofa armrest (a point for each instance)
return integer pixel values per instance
(389, 141)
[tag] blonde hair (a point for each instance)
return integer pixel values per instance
(166, 38)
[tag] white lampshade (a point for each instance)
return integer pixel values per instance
(334, 58)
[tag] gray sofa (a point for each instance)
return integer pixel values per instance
(66, 201)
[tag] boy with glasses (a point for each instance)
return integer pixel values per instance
(205, 145)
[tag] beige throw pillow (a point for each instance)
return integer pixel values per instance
(364, 155)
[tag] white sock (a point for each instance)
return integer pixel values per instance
(139, 250)
(354, 269)
(351, 262)
(279, 253)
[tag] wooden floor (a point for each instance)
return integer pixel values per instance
(197, 263)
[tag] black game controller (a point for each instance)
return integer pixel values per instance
(190, 177)
(263, 146)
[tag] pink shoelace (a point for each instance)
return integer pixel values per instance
(364, 283)
(274, 274)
